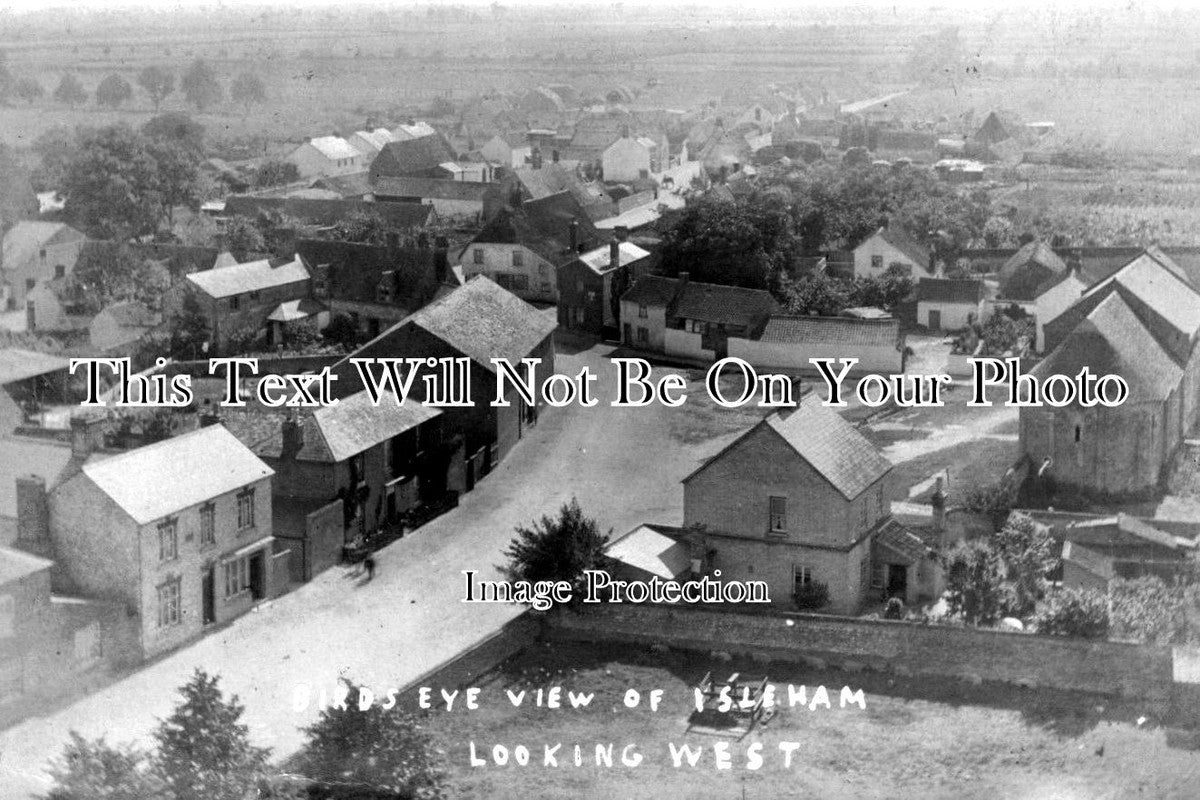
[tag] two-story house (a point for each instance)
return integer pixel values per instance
(890, 248)
(240, 299)
(36, 252)
(801, 497)
(590, 287)
(522, 246)
(178, 531)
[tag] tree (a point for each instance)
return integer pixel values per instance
(361, 227)
(342, 331)
(200, 85)
(179, 177)
(994, 499)
(1027, 551)
(95, 770)
(190, 330)
(18, 200)
(108, 275)
(113, 91)
(176, 128)
(383, 749)
(204, 752)
(158, 83)
(247, 90)
(975, 585)
(56, 147)
(557, 549)
(276, 172)
(70, 91)
(1073, 612)
(243, 238)
(28, 89)
(1148, 610)
(815, 294)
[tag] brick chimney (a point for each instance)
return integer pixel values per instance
(938, 501)
(622, 233)
(293, 436)
(33, 515)
(573, 230)
(87, 434)
(614, 253)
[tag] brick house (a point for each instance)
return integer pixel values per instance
(801, 497)
(479, 321)
(590, 286)
(179, 532)
(374, 462)
(239, 299)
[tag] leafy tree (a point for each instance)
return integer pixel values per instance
(384, 749)
(886, 291)
(360, 226)
(200, 85)
(994, 499)
(111, 275)
(56, 147)
(28, 89)
(158, 83)
(1073, 612)
(975, 585)
(342, 331)
(247, 90)
(243, 238)
(70, 91)
(1027, 551)
(95, 770)
(176, 128)
(815, 294)
(746, 243)
(17, 200)
(1148, 610)
(113, 91)
(557, 549)
(276, 172)
(179, 177)
(1004, 331)
(204, 751)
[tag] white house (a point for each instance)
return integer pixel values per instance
(412, 130)
(945, 304)
(370, 142)
(628, 159)
(507, 149)
(326, 156)
(887, 248)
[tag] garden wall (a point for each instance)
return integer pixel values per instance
(1142, 671)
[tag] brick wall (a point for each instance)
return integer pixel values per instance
(1142, 671)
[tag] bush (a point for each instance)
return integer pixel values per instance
(1074, 612)
(811, 596)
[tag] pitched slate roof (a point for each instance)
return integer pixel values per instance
(543, 225)
(652, 290)
(157, 480)
(353, 185)
(411, 157)
(354, 271)
(415, 130)
(1028, 269)
(394, 216)
(24, 239)
(334, 147)
(251, 276)
(15, 564)
(950, 290)
(901, 541)
(709, 302)
(483, 321)
(849, 331)
(375, 139)
(648, 550)
(554, 177)
(828, 443)
(17, 364)
(293, 310)
(1111, 339)
(432, 189)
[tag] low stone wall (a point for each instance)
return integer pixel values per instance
(464, 669)
(1113, 668)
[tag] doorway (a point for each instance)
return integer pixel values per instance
(258, 576)
(897, 581)
(935, 320)
(208, 593)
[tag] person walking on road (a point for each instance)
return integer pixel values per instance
(369, 563)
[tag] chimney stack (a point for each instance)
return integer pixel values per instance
(622, 232)
(87, 434)
(536, 160)
(573, 228)
(293, 436)
(33, 514)
(938, 501)
(614, 253)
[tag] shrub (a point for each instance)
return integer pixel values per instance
(811, 596)
(1074, 612)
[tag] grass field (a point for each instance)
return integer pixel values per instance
(915, 739)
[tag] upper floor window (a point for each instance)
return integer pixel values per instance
(777, 514)
(876, 262)
(518, 258)
(245, 505)
(60, 270)
(234, 302)
(477, 253)
(168, 540)
(208, 525)
(643, 312)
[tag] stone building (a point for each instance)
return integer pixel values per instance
(240, 299)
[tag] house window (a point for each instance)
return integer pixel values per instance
(60, 270)
(168, 540)
(518, 258)
(254, 295)
(8, 612)
(777, 514)
(358, 469)
(802, 575)
(29, 284)
(169, 612)
(233, 303)
(643, 336)
(237, 577)
(245, 502)
(478, 255)
(88, 648)
(643, 312)
(42, 254)
(208, 525)
(876, 262)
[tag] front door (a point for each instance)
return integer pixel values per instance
(258, 576)
(897, 581)
(935, 320)
(207, 591)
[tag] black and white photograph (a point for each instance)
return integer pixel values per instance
(579, 399)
